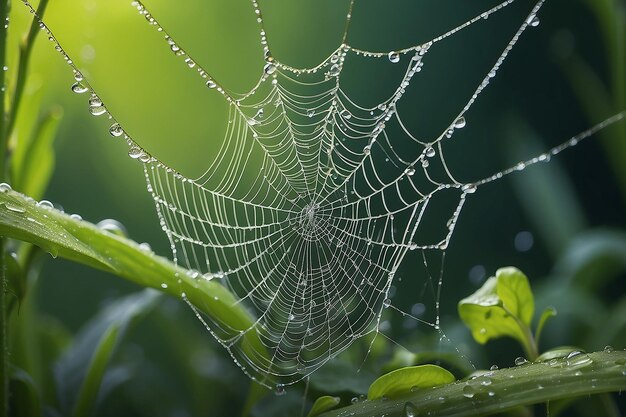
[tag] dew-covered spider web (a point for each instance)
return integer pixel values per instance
(313, 200)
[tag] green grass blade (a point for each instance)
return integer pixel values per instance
(95, 373)
(32, 175)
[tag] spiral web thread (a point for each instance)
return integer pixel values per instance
(312, 202)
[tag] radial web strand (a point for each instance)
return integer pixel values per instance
(313, 200)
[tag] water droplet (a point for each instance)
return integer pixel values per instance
(290, 317)
(79, 88)
(578, 359)
(145, 247)
(394, 57)
(469, 391)
(192, 273)
(45, 204)
(94, 101)
(367, 149)
(493, 368)
(112, 226)
(410, 410)
(386, 302)
(310, 112)
(76, 217)
(211, 84)
(430, 151)
(4, 187)
(334, 71)
(484, 381)
(269, 68)
(469, 188)
(116, 130)
(97, 111)
(533, 20)
(410, 171)
(520, 361)
(609, 349)
(164, 285)
(280, 390)
(354, 400)
(460, 123)
(346, 114)
(425, 163)
(14, 209)
(135, 152)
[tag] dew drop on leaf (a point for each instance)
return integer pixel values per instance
(520, 361)
(112, 226)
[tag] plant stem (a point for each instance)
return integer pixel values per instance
(506, 389)
(22, 68)
(4, 354)
(4, 360)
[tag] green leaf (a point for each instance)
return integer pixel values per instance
(404, 380)
(16, 280)
(545, 316)
(323, 404)
(32, 176)
(514, 291)
(83, 242)
(25, 399)
(89, 390)
(80, 371)
(503, 306)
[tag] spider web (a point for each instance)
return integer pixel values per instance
(313, 200)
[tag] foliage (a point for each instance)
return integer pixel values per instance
(58, 370)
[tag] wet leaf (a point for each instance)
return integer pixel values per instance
(501, 307)
(323, 404)
(404, 380)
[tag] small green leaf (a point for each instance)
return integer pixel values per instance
(25, 399)
(33, 175)
(503, 306)
(80, 371)
(323, 404)
(514, 291)
(91, 385)
(545, 316)
(403, 380)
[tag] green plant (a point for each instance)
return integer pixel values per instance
(561, 374)
(82, 370)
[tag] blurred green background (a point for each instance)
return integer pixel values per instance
(562, 77)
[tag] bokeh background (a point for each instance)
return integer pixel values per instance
(562, 223)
